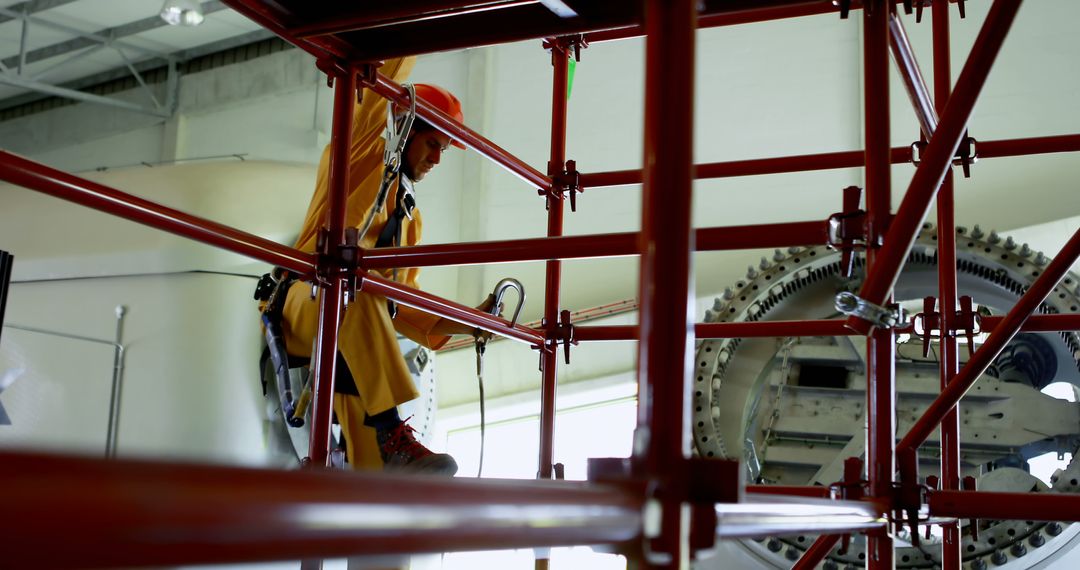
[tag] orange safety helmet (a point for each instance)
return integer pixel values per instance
(442, 100)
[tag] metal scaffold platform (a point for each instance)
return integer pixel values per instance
(664, 503)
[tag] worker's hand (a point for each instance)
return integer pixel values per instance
(486, 307)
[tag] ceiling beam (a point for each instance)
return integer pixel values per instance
(32, 6)
(16, 81)
(142, 66)
(107, 35)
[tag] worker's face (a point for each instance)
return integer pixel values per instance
(424, 152)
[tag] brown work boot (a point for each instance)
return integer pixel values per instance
(401, 452)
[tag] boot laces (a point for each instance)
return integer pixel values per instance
(402, 442)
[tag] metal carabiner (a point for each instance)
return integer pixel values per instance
(500, 291)
(397, 131)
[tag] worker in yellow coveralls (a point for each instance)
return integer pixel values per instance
(375, 435)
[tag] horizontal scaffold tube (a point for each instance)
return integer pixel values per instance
(763, 515)
(823, 327)
(35, 176)
(122, 513)
(459, 132)
(1037, 323)
(733, 13)
(834, 160)
(1015, 506)
(602, 245)
(447, 309)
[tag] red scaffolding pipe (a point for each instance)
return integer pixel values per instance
(124, 513)
(459, 132)
(35, 176)
(817, 552)
(1063, 507)
(448, 309)
(750, 329)
(331, 296)
(912, 77)
(553, 272)
(788, 234)
(834, 160)
(994, 344)
(386, 14)
(937, 159)
(1034, 145)
(1037, 323)
(663, 436)
(735, 13)
(821, 327)
(950, 474)
(791, 490)
(880, 347)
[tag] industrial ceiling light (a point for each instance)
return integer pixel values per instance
(182, 12)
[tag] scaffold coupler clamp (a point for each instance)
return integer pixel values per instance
(853, 305)
(969, 321)
(847, 230)
(967, 153)
(845, 8)
(919, 5)
(332, 68)
(851, 488)
(908, 493)
(575, 42)
(564, 333)
(925, 324)
(338, 261)
(565, 179)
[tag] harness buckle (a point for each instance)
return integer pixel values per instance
(397, 131)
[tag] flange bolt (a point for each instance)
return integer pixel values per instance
(1037, 540)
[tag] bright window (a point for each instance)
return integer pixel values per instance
(600, 426)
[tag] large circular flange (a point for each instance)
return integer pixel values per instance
(801, 284)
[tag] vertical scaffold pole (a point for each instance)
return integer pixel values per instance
(950, 426)
(553, 278)
(330, 303)
(880, 392)
(662, 439)
(554, 268)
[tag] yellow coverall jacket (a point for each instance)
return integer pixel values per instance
(366, 338)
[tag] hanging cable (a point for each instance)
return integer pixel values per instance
(481, 346)
(493, 304)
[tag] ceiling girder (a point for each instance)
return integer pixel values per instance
(33, 6)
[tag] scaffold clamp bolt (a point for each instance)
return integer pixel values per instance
(565, 178)
(851, 304)
(847, 229)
